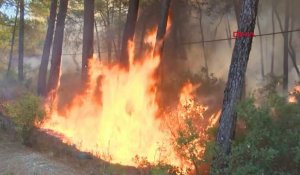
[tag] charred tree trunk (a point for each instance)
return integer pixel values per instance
(42, 79)
(119, 27)
(162, 27)
(144, 25)
(88, 38)
(161, 31)
(13, 39)
(236, 77)
(286, 48)
(108, 32)
(98, 41)
(21, 41)
(57, 46)
(129, 31)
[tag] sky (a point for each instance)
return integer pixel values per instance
(11, 10)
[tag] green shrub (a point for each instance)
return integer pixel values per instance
(25, 112)
(269, 142)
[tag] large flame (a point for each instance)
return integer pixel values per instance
(116, 116)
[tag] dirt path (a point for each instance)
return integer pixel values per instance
(16, 159)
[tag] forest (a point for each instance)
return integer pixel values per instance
(149, 87)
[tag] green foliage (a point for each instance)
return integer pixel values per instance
(269, 142)
(158, 168)
(25, 113)
(8, 173)
(163, 169)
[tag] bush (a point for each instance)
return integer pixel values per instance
(269, 141)
(25, 112)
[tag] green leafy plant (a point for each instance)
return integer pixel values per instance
(25, 112)
(269, 141)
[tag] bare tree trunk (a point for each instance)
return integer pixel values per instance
(119, 28)
(261, 50)
(108, 32)
(203, 45)
(235, 82)
(57, 46)
(98, 41)
(228, 32)
(273, 39)
(129, 30)
(286, 48)
(13, 39)
(290, 50)
(237, 9)
(88, 38)
(42, 79)
(21, 41)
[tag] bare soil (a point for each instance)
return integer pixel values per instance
(16, 159)
(48, 156)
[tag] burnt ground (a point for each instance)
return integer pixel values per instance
(47, 155)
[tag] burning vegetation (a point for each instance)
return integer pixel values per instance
(151, 104)
(117, 116)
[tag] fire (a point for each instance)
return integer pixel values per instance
(292, 98)
(116, 118)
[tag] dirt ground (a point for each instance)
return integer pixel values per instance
(47, 158)
(16, 159)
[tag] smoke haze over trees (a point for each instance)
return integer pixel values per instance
(63, 50)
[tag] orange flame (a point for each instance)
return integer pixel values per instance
(116, 116)
(292, 98)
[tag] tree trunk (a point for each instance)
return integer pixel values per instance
(57, 46)
(236, 77)
(273, 39)
(129, 30)
(161, 31)
(42, 79)
(119, 27)
(88, 38)
(13, 39)
(203, 45)
(21, 41)
(162, 26)
(108, 32)
(290, 49)
(98, 41)
(261, 50)
(286, 48)
(228, 32)
(237, 9)
(141, 47)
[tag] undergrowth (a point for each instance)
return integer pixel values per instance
(25, 112)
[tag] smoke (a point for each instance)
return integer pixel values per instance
(219, 53)
(184, 57)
